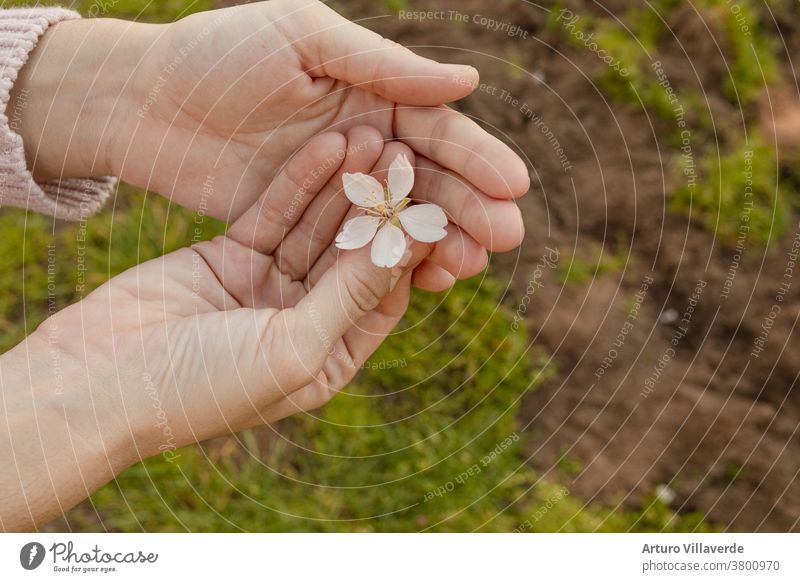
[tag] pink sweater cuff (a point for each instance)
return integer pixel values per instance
(70, 198)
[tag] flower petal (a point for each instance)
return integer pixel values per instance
(401, 178)
(357, 232)
(424, 222)
(362, 190)
(388, 246)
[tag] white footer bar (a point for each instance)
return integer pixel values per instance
(402, 557)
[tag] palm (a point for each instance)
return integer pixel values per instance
(243, 162)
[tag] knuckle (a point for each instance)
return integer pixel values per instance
(440, 132)
(391, 45)
(321, 396)
(314, 232)
(364, 290)
(364, 145)
(273, 215)
(291, 264)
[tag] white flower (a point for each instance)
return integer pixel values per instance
(385, 210)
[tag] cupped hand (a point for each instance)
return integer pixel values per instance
(225, 97)
(243, 330)
(247, 328)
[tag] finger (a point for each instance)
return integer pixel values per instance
(495, 224)
(309, 397)
(319, 224)
(362, 339)
(392, 149)
(306, 399)
(277, 210)
(348, 52)
(352, 287)
(431, 277)
(459, 254)
(329, 256)
(359, 343)
(457, 143)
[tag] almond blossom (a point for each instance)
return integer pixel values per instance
(385, 211)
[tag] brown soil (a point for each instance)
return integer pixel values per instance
(717, 424)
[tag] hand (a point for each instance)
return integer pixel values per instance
(225, 97)
(232, 333)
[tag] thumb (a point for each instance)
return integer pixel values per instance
(346, 51)
(352, 287)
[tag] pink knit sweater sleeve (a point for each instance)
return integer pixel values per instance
(72, 198)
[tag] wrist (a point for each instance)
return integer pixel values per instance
(115, 407)
(74, 381)
(73, 94)
(62, 445)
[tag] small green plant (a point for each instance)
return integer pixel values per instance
(514, 64)
(632, 45)
(629, 48)
(551, 24)
(570, 465)
(751, 57)
(660, 517)
(735, 194)
(395, 5)
(733, 471)
(580, 269)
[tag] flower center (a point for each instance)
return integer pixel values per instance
(385, 210)
(382, 211)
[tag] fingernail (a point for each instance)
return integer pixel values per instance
(467, 72)
(399, 269)
(396, 274)
(406, 258)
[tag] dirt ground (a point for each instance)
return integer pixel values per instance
(657, 382)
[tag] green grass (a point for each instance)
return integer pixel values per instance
(140, 10)
(377, 455)
(568, 464)
(50, 265)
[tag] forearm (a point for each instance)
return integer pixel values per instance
(56, 445)
(71, 95)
